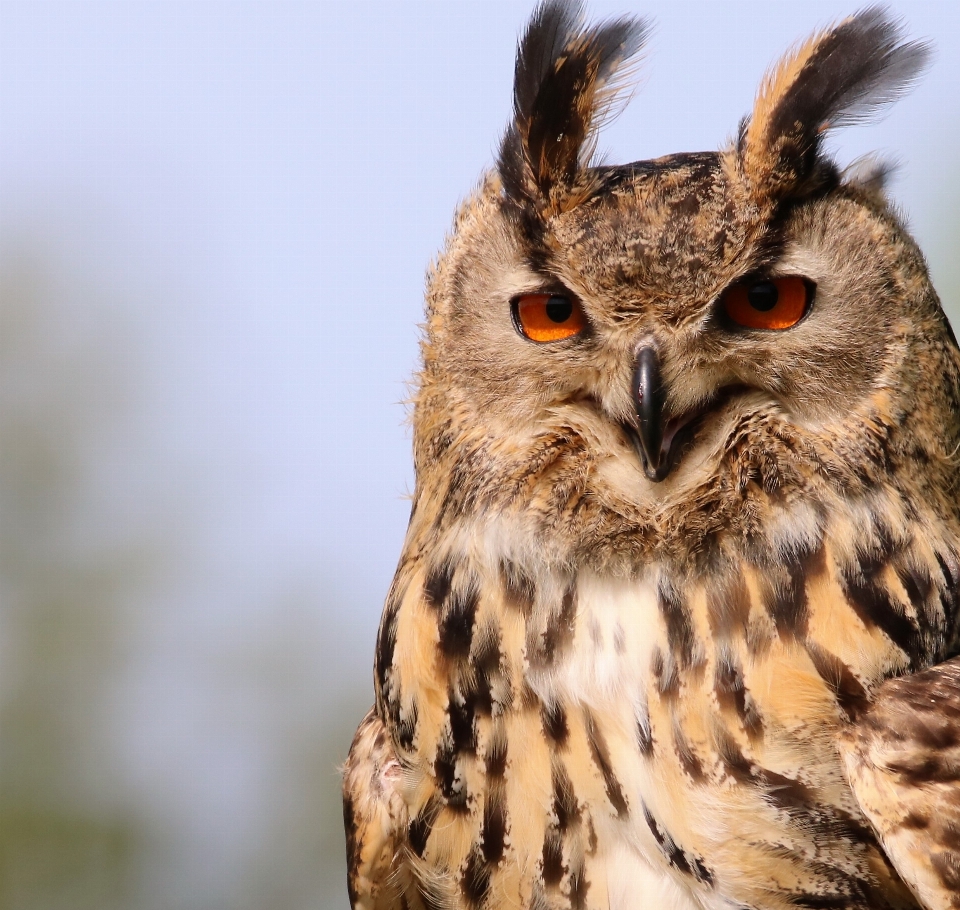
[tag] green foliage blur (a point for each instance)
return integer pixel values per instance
(62, 614)
(81, 580)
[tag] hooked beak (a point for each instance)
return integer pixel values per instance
(659, 439)
(649, 398)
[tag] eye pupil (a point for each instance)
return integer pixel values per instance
(559, 309)
(763, 296)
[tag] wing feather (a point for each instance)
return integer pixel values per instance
(375, 818)
(903, 761)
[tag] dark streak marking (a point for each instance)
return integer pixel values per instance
(487, 663)
(591, 838)
(462, 727)
(418, 831)
(732, 693)
(387, 641)
(917, 583)
(619, 639)
(689, 760)
(819, 902)
(700, 872)
(560, 627)
(871, 601)
(496, 757)
(678, 859)
(354, 846)
(644, 735)
(554, 720)
(477, 693)
(676, 615)
(733, 759)
(488, 653)
(405, 728)
(437, 586)
(791, 796)
(914, 822)
(788, 794)
(578, 888)
(665, 673)
(519, 590)
(674, 855)
(448, 782)
(950, 600)
(493, 834)
(847, 689)
(552, 857)
(950, 579)
(601, 757)
(456, 626)
(529, 700)
(728, 607)
(948, 597)
(948, 870)
(729, 685)
(565, 804)
(476, 878)
(788, 604)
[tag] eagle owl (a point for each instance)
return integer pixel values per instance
(675, 618)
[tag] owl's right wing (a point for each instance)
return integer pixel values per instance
(375, 817)
(903, 761)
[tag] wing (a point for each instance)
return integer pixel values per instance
(903, 762)
(375, 818)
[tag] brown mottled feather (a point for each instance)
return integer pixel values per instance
(903, 761)
(375, 818)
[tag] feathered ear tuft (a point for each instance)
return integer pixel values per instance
(869, 174)
(839, 76)
(567, 81)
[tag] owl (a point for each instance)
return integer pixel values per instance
(675, 623)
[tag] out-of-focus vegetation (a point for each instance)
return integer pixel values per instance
(84, 574)
(70, 837)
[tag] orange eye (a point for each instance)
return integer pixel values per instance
(548, 317)
(770, 303)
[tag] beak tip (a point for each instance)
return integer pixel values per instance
(654, 470)
(658, 472)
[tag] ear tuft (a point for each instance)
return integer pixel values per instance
(839, 76)
(870, 174)
(567, 81)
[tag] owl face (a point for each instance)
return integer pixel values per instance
(656, 270)
(657, 309)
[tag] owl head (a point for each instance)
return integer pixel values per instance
(649, 349)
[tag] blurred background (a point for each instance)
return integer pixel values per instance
(215, 220)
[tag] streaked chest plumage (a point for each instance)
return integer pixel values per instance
(662, 738)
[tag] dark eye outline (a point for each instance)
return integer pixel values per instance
(731, 325)
(550, 292)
